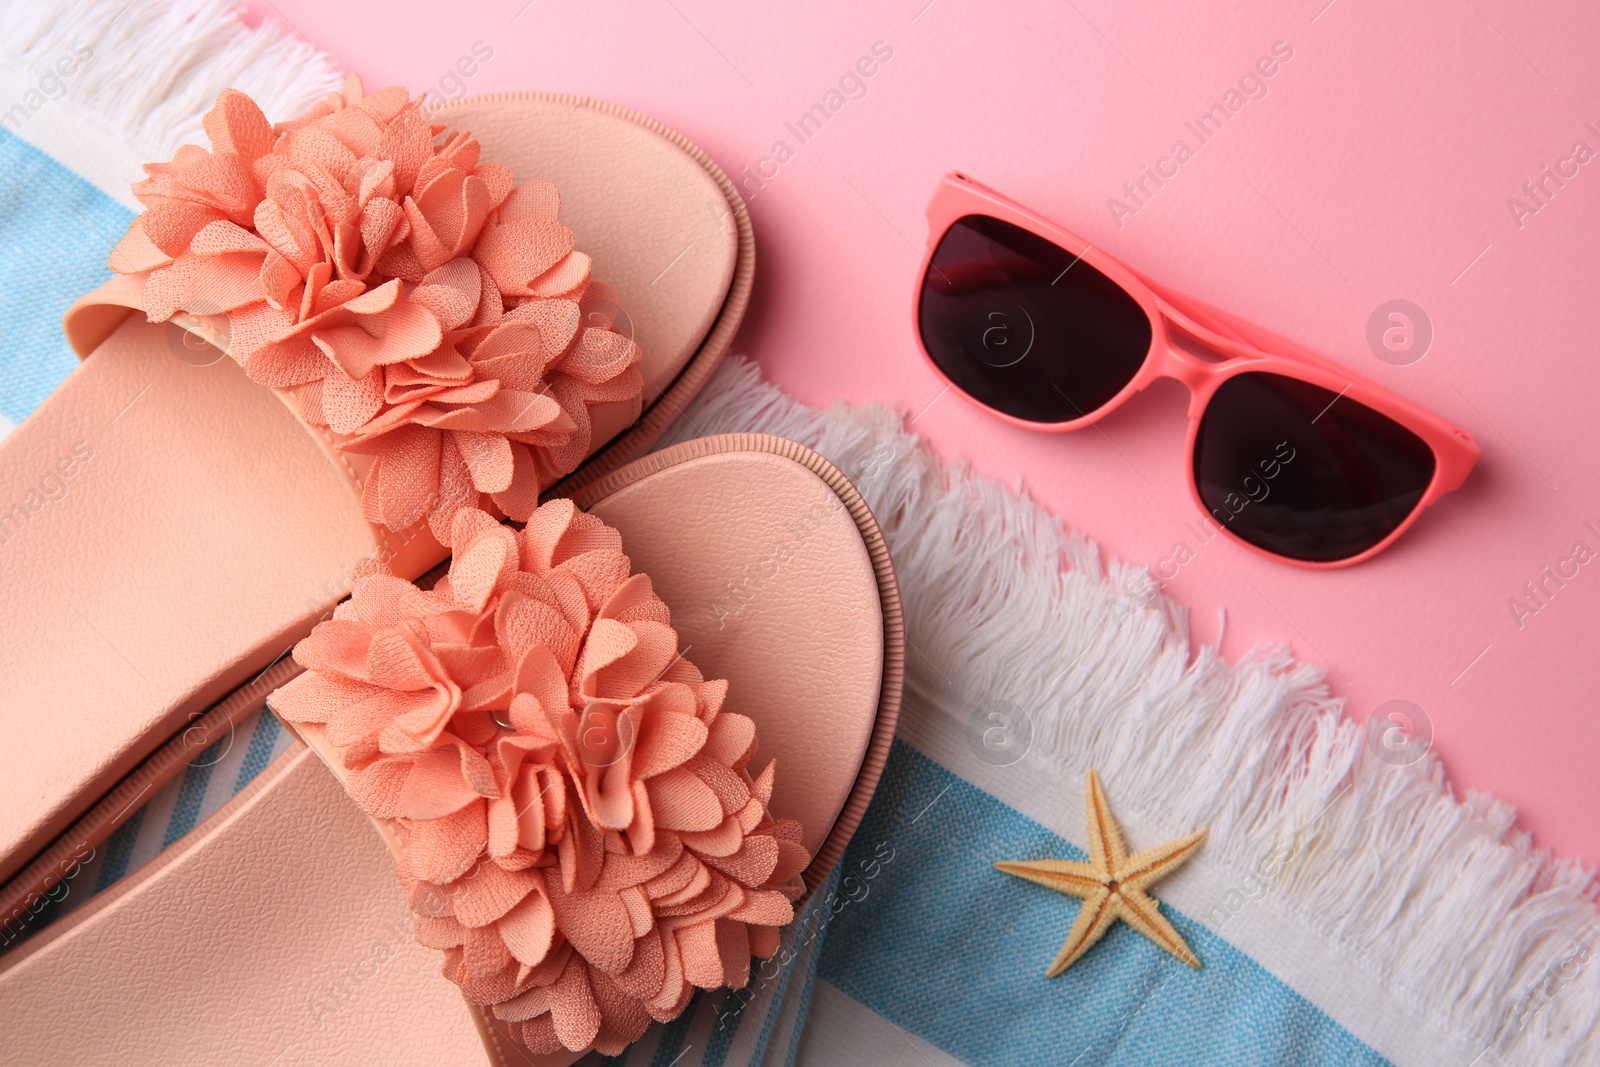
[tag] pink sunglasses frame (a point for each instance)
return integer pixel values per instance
(1245, 348)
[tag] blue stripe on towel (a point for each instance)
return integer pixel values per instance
(119, 849)
(940, 943)
(718, 1044)
(671, 1047)
(797, 1020)
(186, 812)
(802, 1010)
(779, 995)
(263, 742)
(56, 231)
(762, 1000)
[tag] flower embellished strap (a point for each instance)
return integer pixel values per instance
(409, 298)
(582, 835)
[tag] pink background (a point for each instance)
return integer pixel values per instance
(1377, 167)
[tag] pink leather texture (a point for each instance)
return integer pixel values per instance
(196, 529)
(615, 771)
(284, 907)
(670, 275)
(276, 933)
(200, 530)
(782, 603)
(1385, 162)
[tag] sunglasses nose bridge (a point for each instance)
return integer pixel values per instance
(1170, 361)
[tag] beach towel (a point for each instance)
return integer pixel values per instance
(1348, 905)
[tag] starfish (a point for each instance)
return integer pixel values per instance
(1111, 885)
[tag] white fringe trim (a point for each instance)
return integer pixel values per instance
(155, 68)
(1438, 899)
(1441, 900)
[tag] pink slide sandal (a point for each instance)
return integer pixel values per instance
(412, 332)
(578, 820)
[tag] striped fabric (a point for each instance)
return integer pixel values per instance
(914, 933)
(943, 947)
(917, 952)
(56, 230)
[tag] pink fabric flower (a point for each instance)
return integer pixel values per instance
(583, 837)
(429, 311)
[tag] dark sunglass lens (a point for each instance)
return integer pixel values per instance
(1303, 472)
(1025, 326)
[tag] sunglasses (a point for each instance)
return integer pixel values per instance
(1289, 453)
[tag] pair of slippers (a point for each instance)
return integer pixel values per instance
(610, 745)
